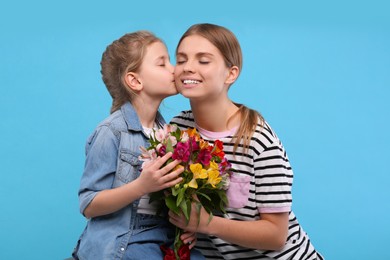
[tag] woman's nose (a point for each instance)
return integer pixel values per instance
(188, 67)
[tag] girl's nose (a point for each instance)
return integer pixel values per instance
(171, 68)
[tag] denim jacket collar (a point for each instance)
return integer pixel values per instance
(132, 119)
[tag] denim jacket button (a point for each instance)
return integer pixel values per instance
(122, 249)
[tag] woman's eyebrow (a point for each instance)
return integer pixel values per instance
(181, 54)
(199, 54)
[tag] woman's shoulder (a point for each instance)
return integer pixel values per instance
(184, 119)
(264, 135)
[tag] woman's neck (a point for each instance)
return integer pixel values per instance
(215, 116)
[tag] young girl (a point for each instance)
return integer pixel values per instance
(259, 223)
(113, 191)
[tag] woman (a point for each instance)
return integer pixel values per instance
(259, 223)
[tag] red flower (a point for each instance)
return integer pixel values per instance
(168, 253)
(184, 252)
(193, 144)
(163, 150)
(181, 152)
(204, 157)
(218, 149)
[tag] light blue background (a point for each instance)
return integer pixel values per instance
(319, 71)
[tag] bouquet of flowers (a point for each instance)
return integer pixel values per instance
(206, 175)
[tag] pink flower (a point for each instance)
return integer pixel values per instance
(170, 129)
(160, 135)
(181, 152)
(193, 144)
(204, 157)
(173, 140)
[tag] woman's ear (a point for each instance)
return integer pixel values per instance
(234, 71)
(133, 82)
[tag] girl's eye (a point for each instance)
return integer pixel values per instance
(204, 62)
(180, 62)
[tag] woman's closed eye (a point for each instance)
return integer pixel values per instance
(180, 61)
(204, 62)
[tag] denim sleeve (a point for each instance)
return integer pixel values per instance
(100, 165)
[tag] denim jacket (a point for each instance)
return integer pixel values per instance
(111, 161)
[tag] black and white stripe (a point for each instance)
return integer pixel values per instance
(267, 164)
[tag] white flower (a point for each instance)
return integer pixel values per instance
(184, 137)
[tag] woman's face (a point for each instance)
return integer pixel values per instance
(156, 72)
(200, 71)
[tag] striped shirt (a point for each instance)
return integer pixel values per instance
(268, 191)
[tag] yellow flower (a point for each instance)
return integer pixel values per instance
(198, 172)
(213, 172)
(214, 177)
(213, 166)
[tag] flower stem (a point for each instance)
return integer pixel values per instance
(177, 243)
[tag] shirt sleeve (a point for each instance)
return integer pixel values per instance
(273, 177)
(100, 165)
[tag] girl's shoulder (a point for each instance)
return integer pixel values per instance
(114, 121)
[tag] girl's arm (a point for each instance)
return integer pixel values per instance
(152, 179)
(268, 233)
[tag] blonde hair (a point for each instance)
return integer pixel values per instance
(226, 42)
(120, 57)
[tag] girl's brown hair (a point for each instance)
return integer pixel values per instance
(226, 42)
(120, 57)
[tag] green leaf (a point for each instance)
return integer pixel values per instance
(175, 191)
(198, 206)
(180, 196)
(203, 195)
(186, 210)
(171, 204)
(169, 147)
(210, 217)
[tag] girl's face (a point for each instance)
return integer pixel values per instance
(156, 72)
(200, 71)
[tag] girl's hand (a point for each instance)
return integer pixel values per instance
(189, 238)
(154, 178)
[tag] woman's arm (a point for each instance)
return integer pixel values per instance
(268, 233)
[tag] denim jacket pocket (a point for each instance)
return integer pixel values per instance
(129, 166)
(238, 191)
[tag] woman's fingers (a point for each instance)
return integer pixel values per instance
(189, 238)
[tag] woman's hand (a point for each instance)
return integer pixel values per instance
(197, 222)
(189, 238)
